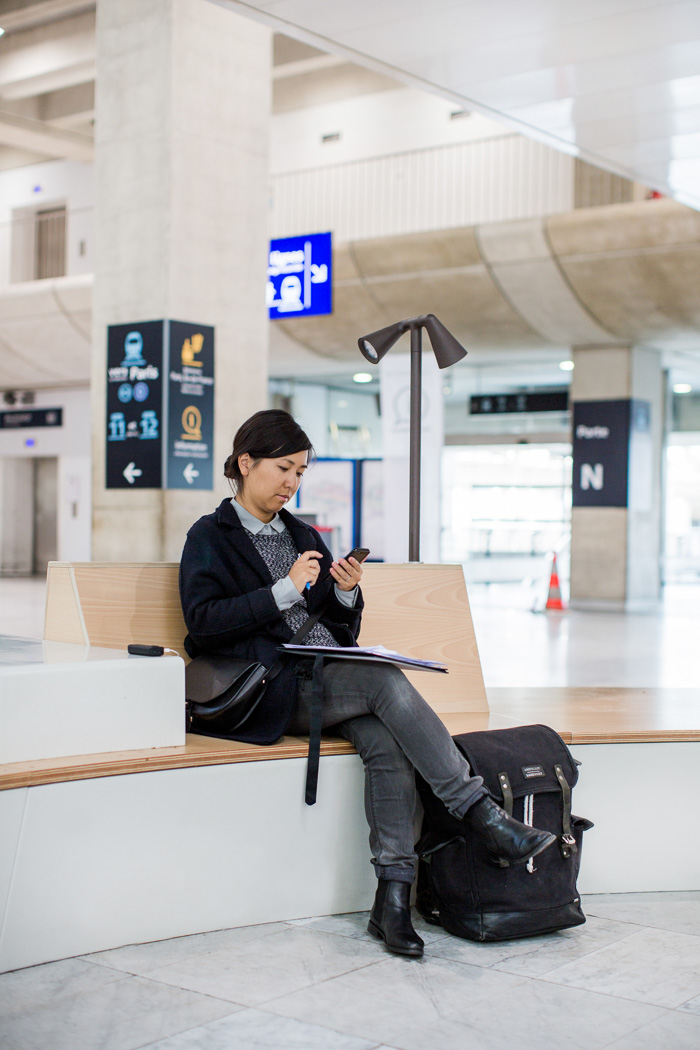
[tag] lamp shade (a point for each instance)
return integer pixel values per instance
(446, 348)
(375, 345)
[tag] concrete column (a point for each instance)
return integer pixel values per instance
(615, 550)
(181, 204)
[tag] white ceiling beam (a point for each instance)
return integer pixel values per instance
(43, 13)
(307, 65)
(35, 135)
(48, 58)
(51, 80)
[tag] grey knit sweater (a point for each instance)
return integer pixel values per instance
(279, 554)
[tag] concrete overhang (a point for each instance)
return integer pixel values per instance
(626, 273)
(621, 274)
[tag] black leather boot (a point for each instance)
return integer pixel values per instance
(504, 836)
(390, 919)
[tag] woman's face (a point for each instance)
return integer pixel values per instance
(269, 484)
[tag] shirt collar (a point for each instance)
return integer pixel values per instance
(255, 525)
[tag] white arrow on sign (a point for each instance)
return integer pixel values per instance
(319, 273)
(190, 473)
(131, 471)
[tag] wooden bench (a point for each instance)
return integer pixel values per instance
(117, 844)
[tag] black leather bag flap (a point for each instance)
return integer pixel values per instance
(528, 754)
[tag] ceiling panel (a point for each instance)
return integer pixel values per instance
(616, 82)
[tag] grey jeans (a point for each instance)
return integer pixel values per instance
(395, 732)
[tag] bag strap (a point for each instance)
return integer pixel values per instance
(314, 731)
(506, 789)
(567, 844)
(310, 622)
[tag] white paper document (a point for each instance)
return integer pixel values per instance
(379, 653)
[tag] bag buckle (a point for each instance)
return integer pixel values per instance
(567, 846)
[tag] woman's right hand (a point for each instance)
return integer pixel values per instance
(305, 570)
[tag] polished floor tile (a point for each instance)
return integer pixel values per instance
(678, 910)
(263, 1031)
(652, 966)
(536, 1016)
(121, 1015)
(671, 1031)
(535, 956)
(270, 966)
(143, 959)
(394, 998)
(22, 606)
(52, 981)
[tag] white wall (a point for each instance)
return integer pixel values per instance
(371, 126)
(39, 186)
(401, 164)
(70, 443)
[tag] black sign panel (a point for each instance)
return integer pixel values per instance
(35, 417)
(134, 405)
(601, 443)
(497, 404)
(190, 397)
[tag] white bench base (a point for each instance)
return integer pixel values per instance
(94, 864)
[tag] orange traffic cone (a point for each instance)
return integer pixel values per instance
(554, 597)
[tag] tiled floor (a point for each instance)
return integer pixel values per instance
(628, 979)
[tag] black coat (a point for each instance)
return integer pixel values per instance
(226, 595)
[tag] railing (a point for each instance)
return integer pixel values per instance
(490, 180)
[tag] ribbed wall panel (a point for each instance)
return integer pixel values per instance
(490, 180)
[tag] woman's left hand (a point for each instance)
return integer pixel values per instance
(347, 573)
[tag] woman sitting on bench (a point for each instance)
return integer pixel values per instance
(250, 575)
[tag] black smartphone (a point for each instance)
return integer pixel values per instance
(360, 553)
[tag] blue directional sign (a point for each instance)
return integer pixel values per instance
(299, 276)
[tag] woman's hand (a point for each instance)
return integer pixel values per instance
(305, 570)
(347, 573)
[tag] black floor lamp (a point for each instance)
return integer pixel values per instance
(447, 352)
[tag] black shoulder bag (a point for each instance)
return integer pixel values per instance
(224, 691)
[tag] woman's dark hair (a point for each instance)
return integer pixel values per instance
(269, 434)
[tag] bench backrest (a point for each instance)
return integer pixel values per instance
(420, 610)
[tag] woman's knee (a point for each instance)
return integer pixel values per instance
(395, 688)
(375, 743)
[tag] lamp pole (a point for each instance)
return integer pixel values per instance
(447, 352)
(415, 442)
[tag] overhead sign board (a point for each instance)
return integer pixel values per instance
(32, 417)
(159, 434)
(300, 276)
(190, 397)
(497, 404)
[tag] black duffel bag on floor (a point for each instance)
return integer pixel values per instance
(529, 771)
